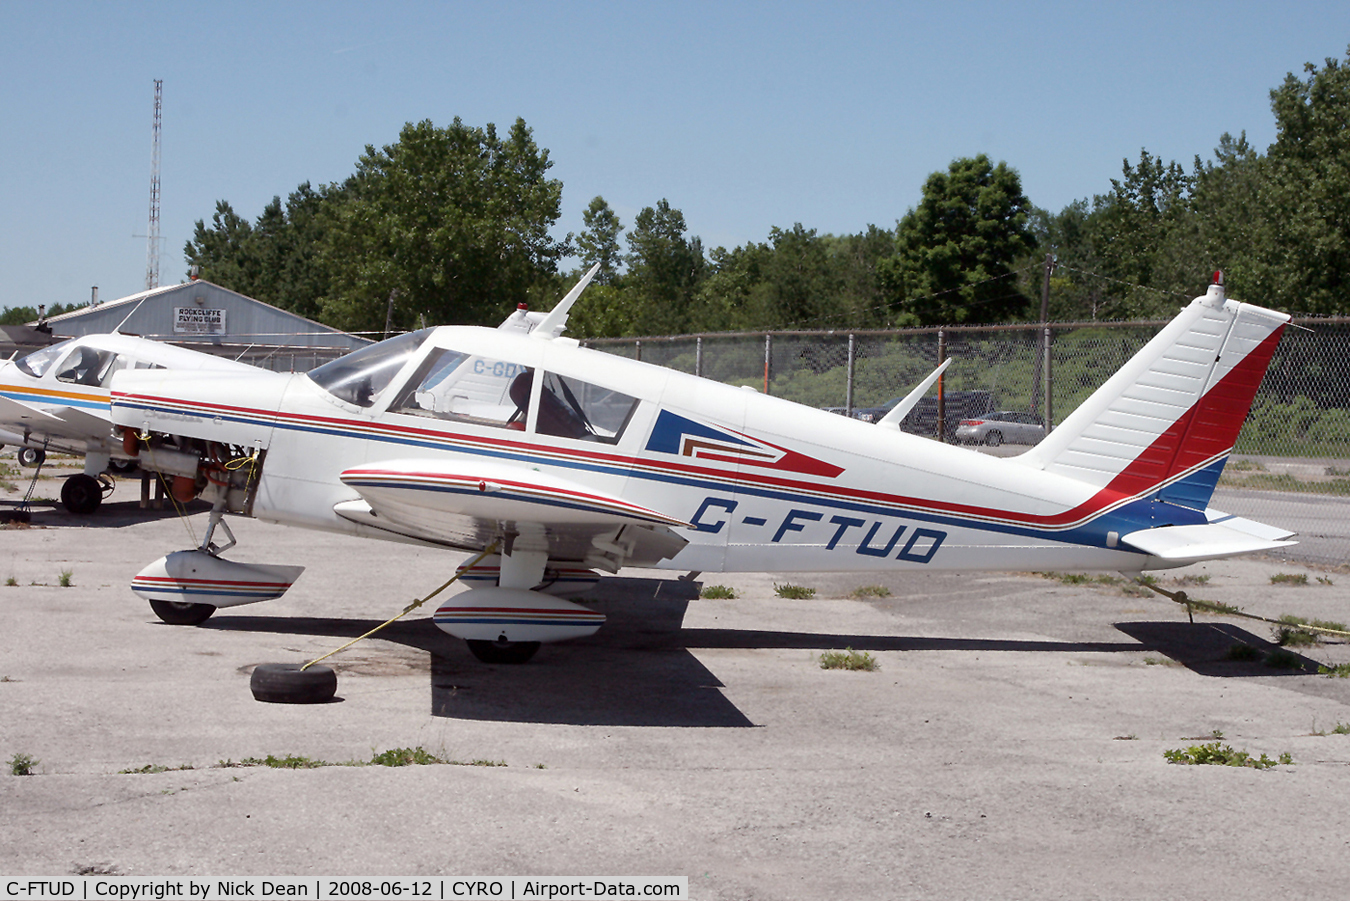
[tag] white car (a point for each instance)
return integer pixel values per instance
(1006, 427)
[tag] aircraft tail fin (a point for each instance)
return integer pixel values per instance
(1166, 422)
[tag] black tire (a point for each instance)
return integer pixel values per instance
(511, 652)
(182, 613)
(122, 467)
(31, 456)
(82, 494)
(287, 683)
(994, 438)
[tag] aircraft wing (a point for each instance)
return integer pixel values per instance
(61, 422)
(461, 502)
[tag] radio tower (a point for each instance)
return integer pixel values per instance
(152, 245)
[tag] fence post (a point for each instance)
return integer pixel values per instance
(698, 356)
(942, 398)
(638, 345)
(768, 361)
(848, 384)
(1049, 406)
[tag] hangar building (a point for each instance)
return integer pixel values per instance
(208, 318)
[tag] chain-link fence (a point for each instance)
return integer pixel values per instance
(278, 358)
(1291, 466)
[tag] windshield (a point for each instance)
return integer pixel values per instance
(39, 361)
(360, 375)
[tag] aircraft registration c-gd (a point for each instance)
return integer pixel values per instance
(572, 461)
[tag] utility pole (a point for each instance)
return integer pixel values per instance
(152, 237)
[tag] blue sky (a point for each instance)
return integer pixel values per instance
(743, 115)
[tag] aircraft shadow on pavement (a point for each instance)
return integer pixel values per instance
(109, 515)
(592, 681)
(1215, 649)
(639, 670)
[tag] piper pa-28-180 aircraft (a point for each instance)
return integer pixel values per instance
(569, 460)
(56, 399)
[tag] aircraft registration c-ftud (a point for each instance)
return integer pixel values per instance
(574, 462)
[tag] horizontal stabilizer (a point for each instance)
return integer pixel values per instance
(1204, 541)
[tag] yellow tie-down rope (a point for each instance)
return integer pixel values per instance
(490, 549)
(1190, 603)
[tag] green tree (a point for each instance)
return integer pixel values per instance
(226, 252)
(598, 242)
(452, 222)
(665, 269)
(276, 259)
(955, 252)
(25, 315)
(1306, 258)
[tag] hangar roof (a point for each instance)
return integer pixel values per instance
(201, 312)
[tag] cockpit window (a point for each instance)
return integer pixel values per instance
(86, 366)
(38, 362)
(451, 384)
(571, 408)
(362, 374)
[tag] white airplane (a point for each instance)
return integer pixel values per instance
(56, 399)
(565, 461)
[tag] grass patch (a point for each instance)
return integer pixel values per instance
(1289, 579)
(64, 579)
(849, 659)
(794, 592)
(1216, 754)
(870, 591)
(11, 582)
(289, 762)
(155, 768)
(417, 756)
(718, 593)
(1081, 578)
(1191, 580)
(1127, 586)
(1339, 671)
(22, 765)
(1290, 633)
